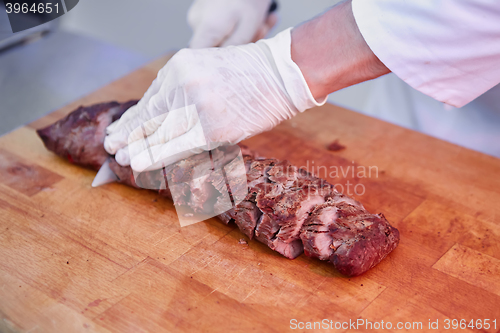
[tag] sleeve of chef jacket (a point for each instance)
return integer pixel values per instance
(447, 49)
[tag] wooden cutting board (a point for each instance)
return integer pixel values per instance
(76, 258)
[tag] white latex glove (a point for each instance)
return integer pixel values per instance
(229, 22)
(203, 98)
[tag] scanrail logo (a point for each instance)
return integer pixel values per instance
(26, 14)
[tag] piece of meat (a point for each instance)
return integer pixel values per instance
(266, 232)
(124, 174)
(79, 136)
(286, 200)
(226, 217)
(280, 205)
(342, 231)
(246, 216)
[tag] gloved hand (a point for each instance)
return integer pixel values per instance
(229, 22)
(207, 97)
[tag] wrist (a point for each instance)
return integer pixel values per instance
(331, 52)
(286, 71)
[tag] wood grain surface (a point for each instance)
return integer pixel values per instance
(114, 259)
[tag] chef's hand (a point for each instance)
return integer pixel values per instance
(229, 22)
(210, 96)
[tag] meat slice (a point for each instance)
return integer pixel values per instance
(286, 201)
(289, 208)
(298, 192)
(315, 232)
(226, 217)
(257, 171)
(246, 214)
(266, 232)
(343, 232)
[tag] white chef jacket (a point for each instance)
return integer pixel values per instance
(475, 125)
(446, 49)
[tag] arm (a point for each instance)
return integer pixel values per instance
(331, 52)
(210, 97)
(225, 95)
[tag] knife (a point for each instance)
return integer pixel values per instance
(105, 175)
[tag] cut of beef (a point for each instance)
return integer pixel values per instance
(79, 136)
(342, 231)
(280, 205)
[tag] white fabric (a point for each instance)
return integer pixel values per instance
(237, 92)
(226, 22)
(447, 49)
(475, 125)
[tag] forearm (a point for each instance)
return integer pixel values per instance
(331, 52)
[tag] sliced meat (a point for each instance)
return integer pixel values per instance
(280, 205)
(287, 201)
(342, 231)
(285, 195)
(266, 232)
(257, 172)
(246, 216)
(315, 232)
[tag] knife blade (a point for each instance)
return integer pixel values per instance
(104, 176)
